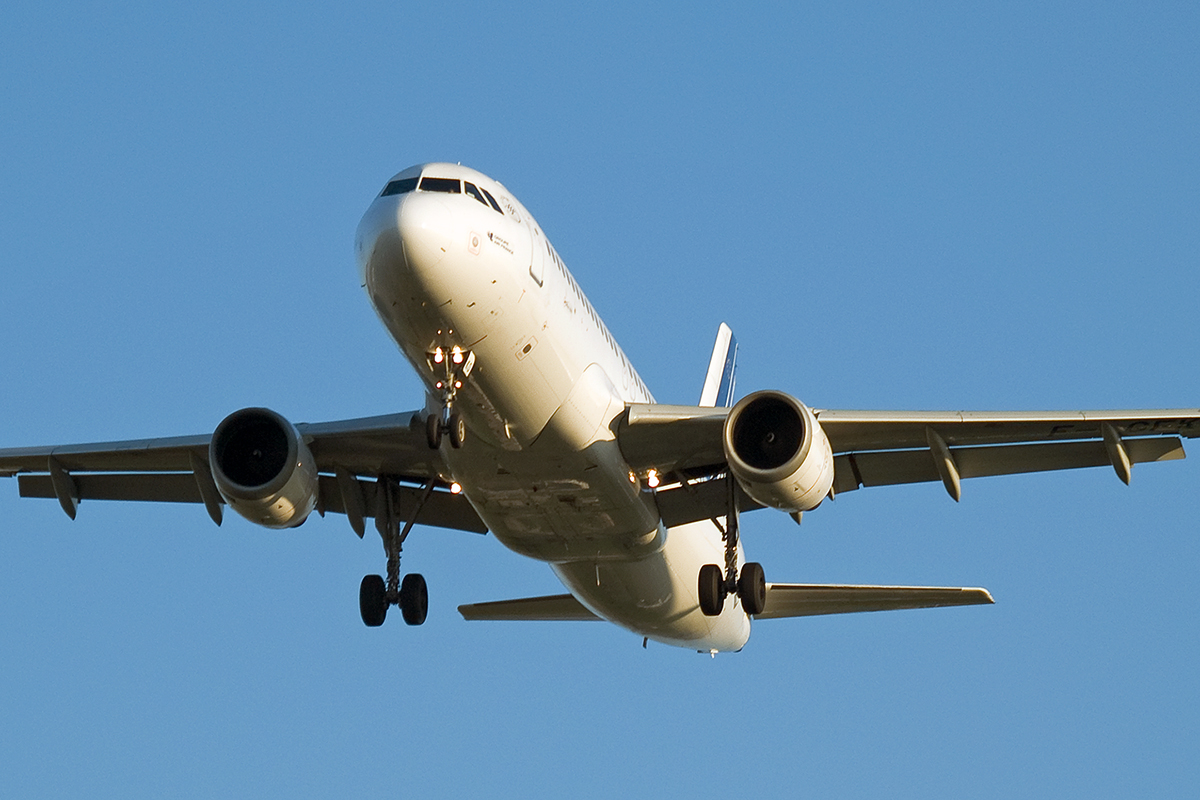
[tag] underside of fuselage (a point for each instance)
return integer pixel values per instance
(450, 272)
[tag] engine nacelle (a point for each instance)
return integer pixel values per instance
(263, 469)
(777, 451)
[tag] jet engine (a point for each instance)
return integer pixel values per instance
(777, 451)
(263, 469)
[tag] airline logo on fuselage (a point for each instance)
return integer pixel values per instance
(500, 242)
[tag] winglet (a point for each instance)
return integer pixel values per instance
(719, 383)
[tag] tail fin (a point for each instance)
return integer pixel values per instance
(719, 383)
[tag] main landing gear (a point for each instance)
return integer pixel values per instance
(411, 594)
(452, 366)
(715, 585)
(374, 598)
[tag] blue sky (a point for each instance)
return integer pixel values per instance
(985, 207)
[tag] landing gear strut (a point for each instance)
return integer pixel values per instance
(411, 594)
(714, 586)
(452, 366)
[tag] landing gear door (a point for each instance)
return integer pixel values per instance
(537, 254)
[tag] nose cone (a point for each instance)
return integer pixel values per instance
(426, 229)
(410, 233)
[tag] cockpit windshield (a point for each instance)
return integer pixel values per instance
(444, 185)
(402, 186)
(447, 185)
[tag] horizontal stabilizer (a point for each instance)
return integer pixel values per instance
(807, 600)
(555, 608)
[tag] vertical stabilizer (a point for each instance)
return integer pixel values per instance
(719, 383)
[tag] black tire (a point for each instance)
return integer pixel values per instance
(433, 431)
(414, 599)
(372, 601)
(458, 430)
(711, 590)
(752, 588)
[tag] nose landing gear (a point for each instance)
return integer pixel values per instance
(453, 366)
(750, 586)
(452, 426)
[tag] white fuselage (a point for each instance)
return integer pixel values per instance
(540, 463)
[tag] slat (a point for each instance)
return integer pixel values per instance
(168, 455)
(389, 444)
(893, 430)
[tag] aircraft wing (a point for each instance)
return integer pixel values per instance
(885, 448)
(881, 448)
(176, 469)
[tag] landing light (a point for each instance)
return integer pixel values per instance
(455, 487)
(437, 356)
(458, 356)
(652, 479)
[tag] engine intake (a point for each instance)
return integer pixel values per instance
(777, 451)
(263, 469)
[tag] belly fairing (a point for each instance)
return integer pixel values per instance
(656, 596)
(568, 495)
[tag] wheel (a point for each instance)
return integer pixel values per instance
(414, 599)
(458, 430)
(752, 588)
(372, 601)
(433, 431)
(712, 590)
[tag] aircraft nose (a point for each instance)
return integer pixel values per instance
(411, 232)
(426, 228)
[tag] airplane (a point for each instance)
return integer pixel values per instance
(537, 428)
